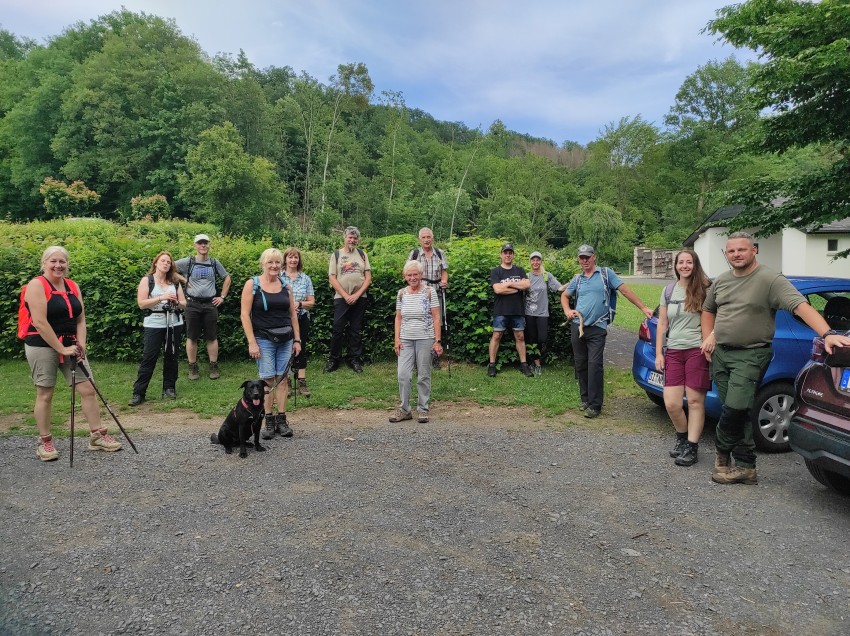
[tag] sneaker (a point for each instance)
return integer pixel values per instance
(302, 387)
(101, 440)
(590, 413)
(681, 444)
(491, 370)
(526, 370)
(270, 428)
(688, 457)
(169, 394)
(401, 416)
(355, 366)
(214, 373)
(194, 374)
(332, 365)
(736, 475)
(722, 463)
(582, 406)
(46, 451)
(282, 427)
(136, 399)
(422, 417)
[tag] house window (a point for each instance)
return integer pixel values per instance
(832, 245)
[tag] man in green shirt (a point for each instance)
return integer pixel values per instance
(738, 321)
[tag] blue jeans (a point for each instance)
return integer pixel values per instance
(274, 358)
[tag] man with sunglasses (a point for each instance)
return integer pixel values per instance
(593, 290)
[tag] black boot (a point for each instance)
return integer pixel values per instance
(689, 455)
(282, 427)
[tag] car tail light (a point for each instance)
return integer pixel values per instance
(818, 351)
(643, 332)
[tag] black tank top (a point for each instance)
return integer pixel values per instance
(275, 313)
(57, 316)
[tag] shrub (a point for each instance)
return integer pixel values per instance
(108, 260)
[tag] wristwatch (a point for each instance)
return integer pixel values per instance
(833, 332)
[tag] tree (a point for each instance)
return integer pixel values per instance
(600, 225)
(804, 81)
(707, 121)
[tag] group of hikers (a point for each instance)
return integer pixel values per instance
(717, 330)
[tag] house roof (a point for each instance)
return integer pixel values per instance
(717, 218)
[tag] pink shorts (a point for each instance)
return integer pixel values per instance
(686, 367)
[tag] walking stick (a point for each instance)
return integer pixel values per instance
(100, 395)
(73, 402)
(446, 329)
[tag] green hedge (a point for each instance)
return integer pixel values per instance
(108, 260)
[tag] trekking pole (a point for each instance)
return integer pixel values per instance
(73, 403)
(100, 395)
(446, 329)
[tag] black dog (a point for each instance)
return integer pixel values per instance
(244, 419)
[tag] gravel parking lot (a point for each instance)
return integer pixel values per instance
(484, 521)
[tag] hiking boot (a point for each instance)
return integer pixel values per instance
(169, 394)
(582, 406)
(736, 475)
(270, 427)
(302, 387)
(282, 426)
(722, 463)
(355, 366)
(400, 416)
(526, 370)
(678, 449)
(194, 374)
(136, 399)
(332, 365)
(689, 456)
(422, 417)
(214, 373)
(590, 412)
(46, 451)
(491, 370)
(101, 440)
(538, 370)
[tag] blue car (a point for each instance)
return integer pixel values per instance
(775, 402)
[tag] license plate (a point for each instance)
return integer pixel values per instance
(656, 379)
(845, 380)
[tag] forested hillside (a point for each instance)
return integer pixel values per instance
(125, 117)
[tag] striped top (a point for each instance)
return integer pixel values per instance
(417, 322)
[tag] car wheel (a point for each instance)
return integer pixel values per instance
(838, 483)
(655, 399)
(773, 409)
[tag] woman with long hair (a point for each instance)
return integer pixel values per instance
(305, 300)
(160, 296)
(677, 354)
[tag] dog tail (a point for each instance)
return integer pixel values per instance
(214, 439)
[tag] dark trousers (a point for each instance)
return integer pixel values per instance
(351, 315)
(300, 361)
(537, 333)
(588, 355)
(154, 341)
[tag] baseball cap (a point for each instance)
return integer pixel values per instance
(201, 237)
(586, 250)
(537, 254)
(508, 247)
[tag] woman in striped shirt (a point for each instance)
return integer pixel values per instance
(417, 320)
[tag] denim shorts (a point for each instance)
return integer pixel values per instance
(273, 358)
(500, 323)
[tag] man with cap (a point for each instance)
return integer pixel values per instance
(350, 275)
(593, 290)
(202, 303)
(541, 283)
(510, 284)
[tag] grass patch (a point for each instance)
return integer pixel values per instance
(552, 394)
(629, 316)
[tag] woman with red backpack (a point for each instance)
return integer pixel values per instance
(56, 340)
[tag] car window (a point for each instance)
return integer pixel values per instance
(833, 306)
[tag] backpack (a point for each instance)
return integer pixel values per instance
(359, 251)
(25, 326)
(610, 298)
(415, 255)
(284, 283)
(151, 285)
(668, 294)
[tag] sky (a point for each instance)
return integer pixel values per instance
(557, 69)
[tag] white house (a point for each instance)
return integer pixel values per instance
(794, 252)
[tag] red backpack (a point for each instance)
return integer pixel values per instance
(25, 326)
